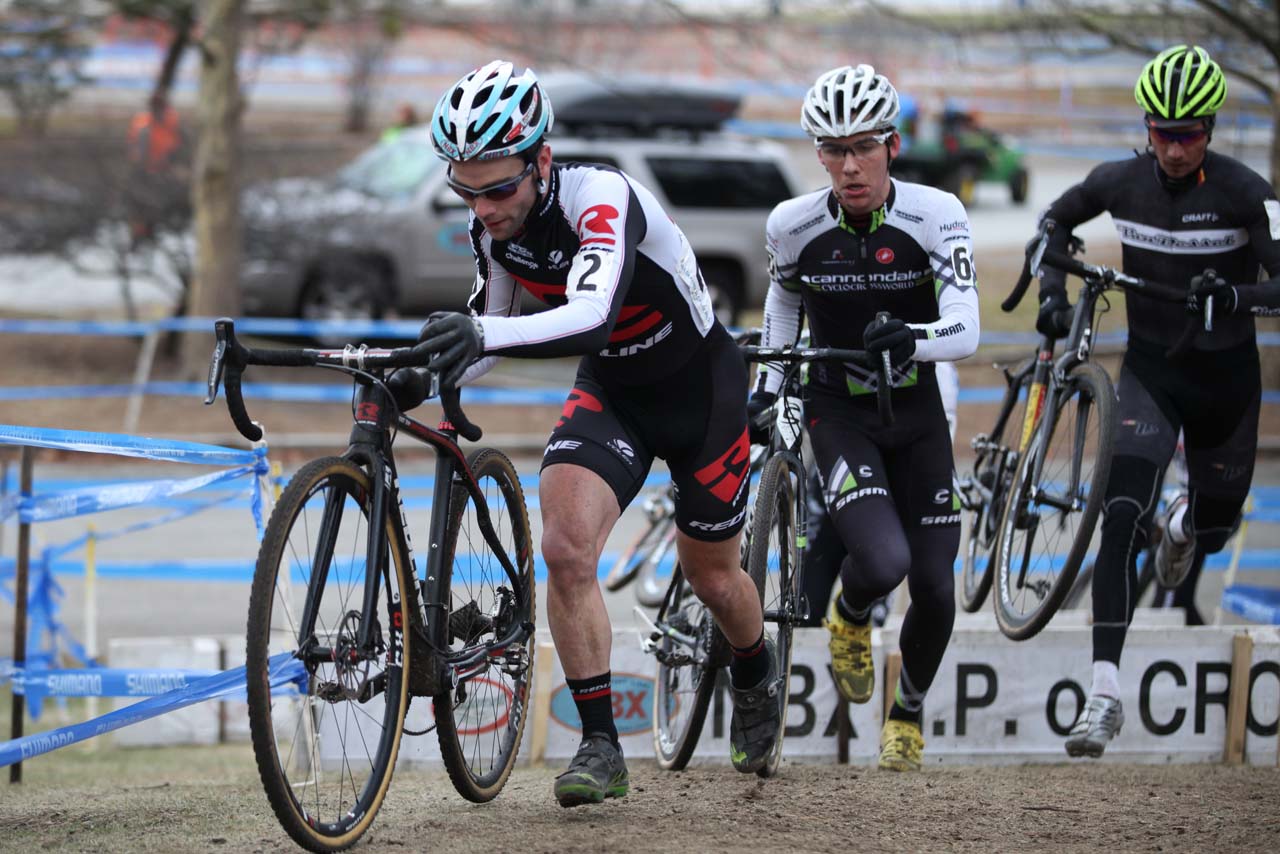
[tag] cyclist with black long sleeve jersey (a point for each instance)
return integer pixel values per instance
(839, 256)
(659, 377)
(1179, 210)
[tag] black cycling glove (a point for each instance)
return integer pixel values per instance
(456, 339)
(759, 424)
(1054, 317)
(1225, 298)
(894, 336)
(409, 387)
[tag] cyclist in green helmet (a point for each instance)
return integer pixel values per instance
(1181, 212)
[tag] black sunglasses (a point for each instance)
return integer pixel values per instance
(501, 191)
(1182, 136)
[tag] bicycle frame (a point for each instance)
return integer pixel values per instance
(377, 421)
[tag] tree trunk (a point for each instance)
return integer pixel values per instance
(169, 68)
(215, 191)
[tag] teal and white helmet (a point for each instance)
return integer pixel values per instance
(490, 113)
(846, 101)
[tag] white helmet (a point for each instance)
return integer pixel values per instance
(846, 101)
(490, 113)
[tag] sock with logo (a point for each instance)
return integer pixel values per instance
(594, 699)
(1106, 680)
(750, 664)
(908, 704)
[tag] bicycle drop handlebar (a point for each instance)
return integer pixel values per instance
(1039, 255)
(795, 355)
(230, 358)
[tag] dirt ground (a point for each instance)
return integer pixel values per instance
(208, 799)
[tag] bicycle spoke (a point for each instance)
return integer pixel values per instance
(1054, 504)
(481, 720)
(325, 753)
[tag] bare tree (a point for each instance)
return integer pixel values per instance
(1243, 36)
(215, 191)
(368, 30)
(43, 45)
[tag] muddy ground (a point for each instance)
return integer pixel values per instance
(208, 799)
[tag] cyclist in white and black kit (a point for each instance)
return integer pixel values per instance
(838, 256)
(1179, 210)
(659, 377)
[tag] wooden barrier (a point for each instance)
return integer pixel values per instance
(1238, 699)
(543, 666)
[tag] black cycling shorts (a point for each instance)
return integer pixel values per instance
(695, 419)
(908, 464)
(1212, 397)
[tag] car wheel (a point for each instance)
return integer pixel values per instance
(343, 289)
(725, 287)
(1019, 184)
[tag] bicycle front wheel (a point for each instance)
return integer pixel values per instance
(326, 679)
(480, 721)
(1053, 503)
(773, 564)
(686, 673)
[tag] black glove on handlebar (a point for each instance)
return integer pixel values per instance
(1225, 298)
(893, 335)
(1054, 317)
(759, 425)
(409, 387)
(457, 340)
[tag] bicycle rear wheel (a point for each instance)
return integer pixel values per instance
(992, 471)
(479, 722)
(326, 712)
(686, 675)
(773, 564)
(651, 584)
(1052, 509)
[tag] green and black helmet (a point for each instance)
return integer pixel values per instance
(1181, 84)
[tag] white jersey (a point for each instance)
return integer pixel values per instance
(914, 260)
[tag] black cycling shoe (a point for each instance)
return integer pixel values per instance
(757, 717)
(596, 772)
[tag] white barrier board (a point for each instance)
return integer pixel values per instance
(993, 700)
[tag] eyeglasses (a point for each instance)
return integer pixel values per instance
(1182, 137)
(863, 149)
(501, 191)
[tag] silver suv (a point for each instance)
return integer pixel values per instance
(386, 237)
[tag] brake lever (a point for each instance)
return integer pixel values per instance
(217, 363)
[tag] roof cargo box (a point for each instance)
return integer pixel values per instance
(584, 105)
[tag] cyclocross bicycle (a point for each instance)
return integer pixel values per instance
(1039, 480)
(683, 636)
(343, 630)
